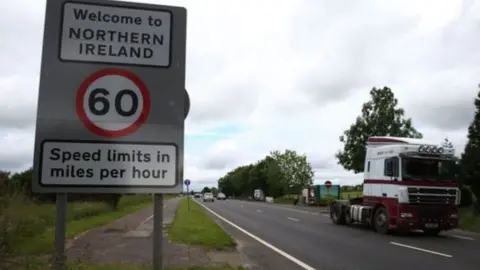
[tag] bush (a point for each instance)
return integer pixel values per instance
(466, 199)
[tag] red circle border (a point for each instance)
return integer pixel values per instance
(81, 91)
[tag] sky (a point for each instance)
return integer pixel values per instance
(280, 74)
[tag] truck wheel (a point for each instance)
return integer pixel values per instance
(337, 215)
(348, 219)
(431, 232)
(380, 220)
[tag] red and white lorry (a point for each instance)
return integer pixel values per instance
(408, 185)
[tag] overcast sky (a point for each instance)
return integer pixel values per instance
(277, 74)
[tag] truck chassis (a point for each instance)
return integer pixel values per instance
(348, 212)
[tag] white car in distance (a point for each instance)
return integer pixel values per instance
(221, 196)
(208, 197)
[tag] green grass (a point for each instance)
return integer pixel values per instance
(33, 231)
(287, 199)
(39, 264)
(195, 227)
(345, 195)
(469, 221)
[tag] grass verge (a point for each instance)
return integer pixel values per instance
(39, 264)
(469, 221)
(346, 195)
(34, 232)
(195, 227)
(36, 264)
(287, 199)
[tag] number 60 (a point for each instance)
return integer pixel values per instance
(98, 95)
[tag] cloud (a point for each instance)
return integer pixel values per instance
(282, 74)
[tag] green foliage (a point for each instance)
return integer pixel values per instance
(379, 117)
(276, 174)
(297, 169)
(466, 198)
(470, 161)
(20, 183)
(206, 190)
(447, 143)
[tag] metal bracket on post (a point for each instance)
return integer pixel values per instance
(157, 232)
(61, 209)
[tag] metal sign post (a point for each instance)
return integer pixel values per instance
(187, 183)
(111, 104)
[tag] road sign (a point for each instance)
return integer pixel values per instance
(116, 33)
(111, 106)
(187, 182)
(113, 102)
(328, 184)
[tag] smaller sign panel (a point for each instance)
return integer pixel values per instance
(113, 164)
(114, 34)
(332, 192)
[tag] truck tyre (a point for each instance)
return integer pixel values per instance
(380, 220)
(348, 218)
(431, 232)
(337, 215)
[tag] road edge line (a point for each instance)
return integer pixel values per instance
(260, 240)
(422, 249)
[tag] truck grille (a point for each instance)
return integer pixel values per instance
(431, 196)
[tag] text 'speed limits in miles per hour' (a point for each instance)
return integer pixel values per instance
(108, 164)
(108, 34)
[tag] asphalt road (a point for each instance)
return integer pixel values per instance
(310, 237)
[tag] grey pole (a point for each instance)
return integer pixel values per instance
(61, 209)
(188, 198)
(157, 232)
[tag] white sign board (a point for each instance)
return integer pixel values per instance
(111, 105)
(108, 164)
(108, 34)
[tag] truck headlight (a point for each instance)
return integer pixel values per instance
(453, 216)
(403, 195)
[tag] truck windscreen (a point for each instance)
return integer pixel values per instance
(428, 169)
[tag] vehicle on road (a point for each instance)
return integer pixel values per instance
(409, 185)
(258, 195)
(221, 196)
(197, 195)
(208, 197)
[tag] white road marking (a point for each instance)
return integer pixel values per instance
(146, 220)
(294, 219)
(463, 237)
(421, 249)
(280, 207)
(263, 242)
(259, 210)
(327, 215)
(315, 214)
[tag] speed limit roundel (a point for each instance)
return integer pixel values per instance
(113, 102)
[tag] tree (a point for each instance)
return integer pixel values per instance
(447, 144)
(206, 189)
(296, 171)
(470, 161)
(275, 174)
(380, 116)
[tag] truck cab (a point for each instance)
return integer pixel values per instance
(409, 184)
